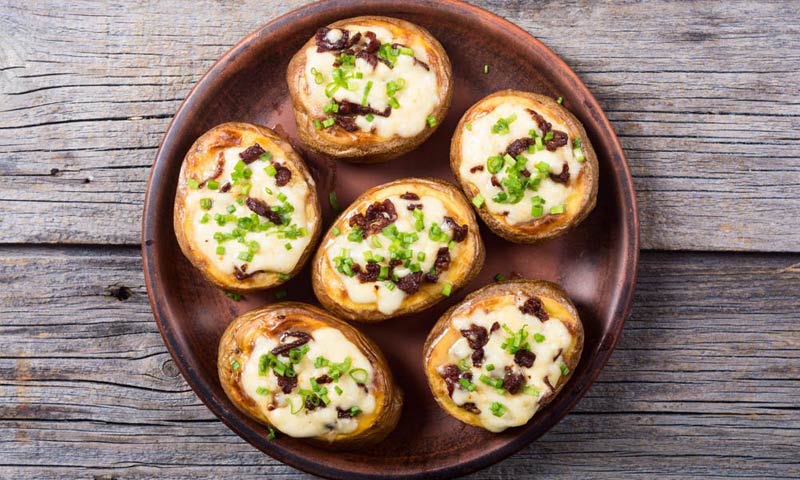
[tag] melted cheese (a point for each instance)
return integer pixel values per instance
(417, 99)
(479, 143)
(272, 255)
(389, 300)
(332, 345)
(520, 407)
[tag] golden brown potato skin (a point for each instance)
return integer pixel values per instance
(366, 147)
(331, 292)
(443, 335)
(204, 151)
(271, 320)
(587, 181)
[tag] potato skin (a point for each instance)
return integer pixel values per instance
(331, 293)
(239, 339)
(366, 147)
(547, 227)
(539, 288)
(223, 136)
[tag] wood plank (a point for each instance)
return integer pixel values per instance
(703, 382)
(702, 95)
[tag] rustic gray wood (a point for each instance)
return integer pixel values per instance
(703, 383)
(702, 95)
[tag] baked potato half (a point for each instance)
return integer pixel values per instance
(527, 165)
(368, 89)
(498, 357)
(397, 249)
(297, 369)
(246, 209)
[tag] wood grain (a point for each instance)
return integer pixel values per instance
(702, 96)
(703, 382)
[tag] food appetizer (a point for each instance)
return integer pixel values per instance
(526, 164)
(297, 369)
(498, 357)
(399, 248)
(368, 89)
(246, 210)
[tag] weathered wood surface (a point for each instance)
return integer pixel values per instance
(703, 96)
(703, 383)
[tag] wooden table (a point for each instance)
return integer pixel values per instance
(704, 97)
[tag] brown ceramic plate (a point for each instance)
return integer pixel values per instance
(596, 262)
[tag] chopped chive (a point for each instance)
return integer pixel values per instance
(421, 256)
(205, 203)
(220, 250)
(490, 367)
(578, 152)
(431, 121)
(359, 375)
(231, 208)
(447, 289)
(469, 127)
(318, 77)
(494, 164)
(335, 232)
(375, 242)
(266, 156)
(317, 124)
(233, 296)
(549, 136)
(192, 183)
(394, 103)
(270, 170)
(235, 365)
(354, 411)
(333, 201)
(498, 409)
(389, 286)
(331, 107)
(491, 381)
(538, 337)
(462, 365)
(466, 384)
(485, 69)
(281, 196)
(370, 117)
(245, 256)
(205, 218)
(543, 167)
(478, 200)
(560, 100)
(557, 209)
(287, 246)
(531, 390)
(284, 276)
(262, 391)
(367, 88)
(338, 389)
(212, 184)
(564, 369)
(271, 435)
(328, 122)
(499, 277)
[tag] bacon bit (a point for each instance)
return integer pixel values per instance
(442, 261)
(296, 334)
(471, 408)
(524, 358)
(241, 273)
(286, 383)
(410, 283)
(496, 182)
(533, 306)
(372, 44)
(450, 376)
(225, 188)
(218, 171)
(477, 357)
(284, 349)
(476, 168)
(368, 57)
(519, 145)
(513, 382)
(347, 123)
(525, 173)
(378, 216)
(260, 208)
(343, 413)
(543, 124)
(370, 273)
(562, 177)
(309, 404)
(476, 336)
(393, 263)
(409, 196)
(495, 327)
(323, 379)
(251, 154)
(282, 174)
(347, 108)
(459, 231)
(324, 45)
(414, 206)
(559, 140)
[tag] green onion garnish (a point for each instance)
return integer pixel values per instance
(447, 289)
(235, 365)
(359, 375)
(317, 124)
(485, 69)
(490, 367)
(262, 391)
(557, 209)
(271, 435)
(466, 384)
(499, 277)
(318, 77)
(367, 88)
(333, 201)
(564, 369)
(498, 409)
(220, 250)
(478, 200)
(212, 184)
(205, 203)
(233, 296)
(538, 337)
(491, 381)
(560, 100)
(335, 232)
(431, 121)
(494, 164)
(328, 122)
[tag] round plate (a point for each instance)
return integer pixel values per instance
(596, 262)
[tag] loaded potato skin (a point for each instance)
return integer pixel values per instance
(502, 354)
(397, 249)
(369, 89)
(246, 210)
(527, 165)
(297, 369)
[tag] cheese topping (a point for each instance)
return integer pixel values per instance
(523, 355)
(387, 266)
(332, 384)
(391, 90)
(529, 185)
(230, 234)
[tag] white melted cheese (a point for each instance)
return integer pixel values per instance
(389, 300)
(272, 256)
(418, 98)
(520, 407)
(332, 345)
(479, 143)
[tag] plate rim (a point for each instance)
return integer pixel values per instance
(622, 308)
